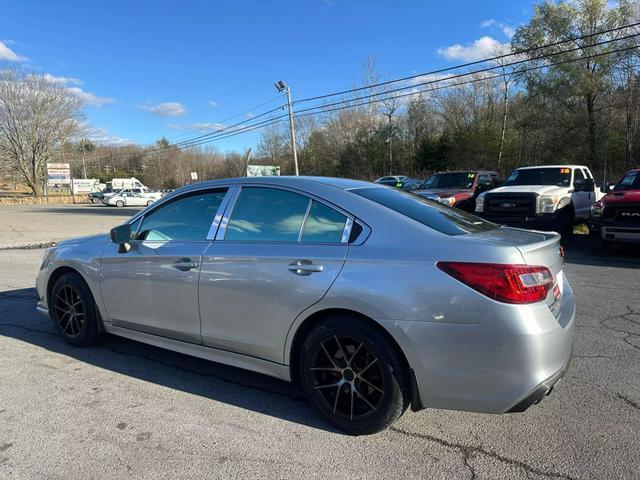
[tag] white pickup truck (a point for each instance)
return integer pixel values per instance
(550, 197)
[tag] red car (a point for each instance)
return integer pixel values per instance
(616, 217)
(458, 189)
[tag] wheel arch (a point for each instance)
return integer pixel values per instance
(317, 318)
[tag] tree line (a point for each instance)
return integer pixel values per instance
(574, 102)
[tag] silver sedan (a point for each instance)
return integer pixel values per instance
(372, 299)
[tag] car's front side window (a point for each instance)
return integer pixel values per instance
(267, 215)
(185, 219)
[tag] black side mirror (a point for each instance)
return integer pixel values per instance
(122, 235)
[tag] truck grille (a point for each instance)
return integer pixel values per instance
(511, 205)
(627, 214)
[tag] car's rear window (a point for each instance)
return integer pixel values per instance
(444, 219)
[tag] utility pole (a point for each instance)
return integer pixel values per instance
(280, 86)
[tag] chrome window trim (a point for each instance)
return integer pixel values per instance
(215, 224)
(304, 220)
(346, 233)
(231, 204)
(222, 229)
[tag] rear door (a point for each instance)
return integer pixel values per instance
(277, 252)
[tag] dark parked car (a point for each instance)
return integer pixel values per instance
(458, 189)
(97, 197)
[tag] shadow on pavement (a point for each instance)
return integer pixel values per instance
(618, 255)
(237, 387)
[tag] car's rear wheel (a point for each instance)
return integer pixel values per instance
(74, 311)
(120, 203)
(354, 376)
(149, 202)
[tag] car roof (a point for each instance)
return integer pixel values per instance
(550, 166)
(289, 181)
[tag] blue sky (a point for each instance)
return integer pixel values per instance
(153, 68)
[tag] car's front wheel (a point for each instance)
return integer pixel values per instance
(74, 311)
(354, 376)
(120, 203)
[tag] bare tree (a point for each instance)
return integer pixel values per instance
(36, 116)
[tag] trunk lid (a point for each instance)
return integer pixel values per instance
(537, 248)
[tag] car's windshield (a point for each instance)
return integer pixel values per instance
(447, 220)
(557, 176)
(457, 180)
(631, 181)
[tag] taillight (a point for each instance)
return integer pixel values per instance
(519, 284)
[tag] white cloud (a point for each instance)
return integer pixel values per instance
(507, 29)
(89, 98)
(213, 103)
(62, 80)
(204, 126)
(102, 136)
(166, 109)
(7, 54)
(481, 48)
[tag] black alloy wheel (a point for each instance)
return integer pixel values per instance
(354, 374)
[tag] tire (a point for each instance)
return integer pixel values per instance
(149, 202)
(598, 245)
(385, 389)
(82, 328)
(95, 200)
(119, 203)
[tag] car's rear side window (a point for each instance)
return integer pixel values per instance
(444, 219)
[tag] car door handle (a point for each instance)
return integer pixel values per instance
(304, 267)
(185, 264)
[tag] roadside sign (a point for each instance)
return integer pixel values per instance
(58, 174)
(194, 176)
(262, 170)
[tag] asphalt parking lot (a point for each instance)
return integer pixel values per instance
(127, 410)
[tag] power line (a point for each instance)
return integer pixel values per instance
(473, 72)
(227, 132)
(349, 104)
(250, 110)
(469, 64)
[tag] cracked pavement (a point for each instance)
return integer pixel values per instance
(128, 410)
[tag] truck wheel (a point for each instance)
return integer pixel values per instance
(598, 245)
(95, 200)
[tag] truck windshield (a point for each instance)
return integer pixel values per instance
(455, 180)
(560, 177)
(631, 181)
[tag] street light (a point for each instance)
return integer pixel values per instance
(281, 86)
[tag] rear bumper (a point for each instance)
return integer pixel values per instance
(613, 232)
(505, 363)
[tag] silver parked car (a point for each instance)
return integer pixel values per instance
(371, 298)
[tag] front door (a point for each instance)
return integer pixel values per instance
(581, 197)
(153, 288)
(278, 254)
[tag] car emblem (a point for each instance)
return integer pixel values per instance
(507, 205)
(630, 214)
